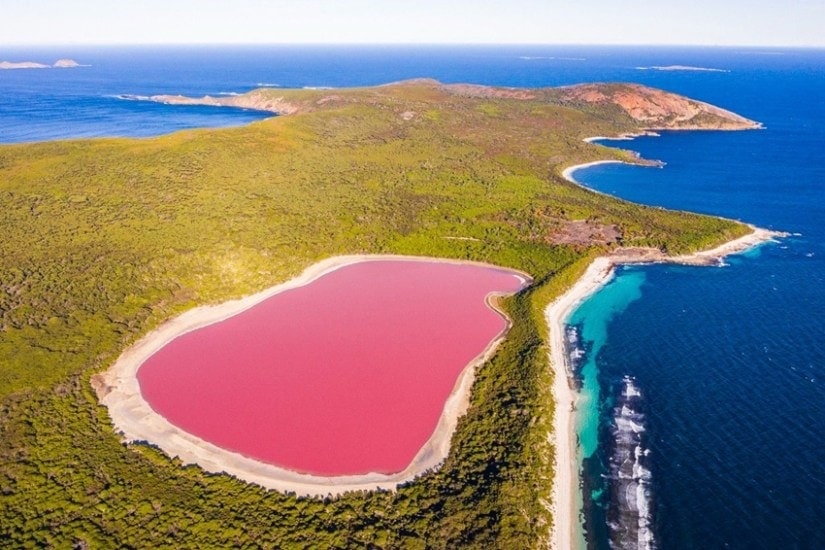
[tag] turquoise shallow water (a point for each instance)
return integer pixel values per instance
(728, 364)
(587, 335)
(592, 320)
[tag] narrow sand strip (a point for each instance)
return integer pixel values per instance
(629, 136)
(567, 173)
(566, 481)
(118, 389)
(600, 272)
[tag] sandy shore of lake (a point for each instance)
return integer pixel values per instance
(118, 389)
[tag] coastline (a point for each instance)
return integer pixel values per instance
(629, 136)
(567, 173)
(133, 418)
(566, 482)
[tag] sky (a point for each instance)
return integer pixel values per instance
(666, 22)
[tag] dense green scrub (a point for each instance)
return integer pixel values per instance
(105, 239)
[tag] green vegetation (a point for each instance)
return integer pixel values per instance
(105, 239)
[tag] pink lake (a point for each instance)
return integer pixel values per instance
(346, 375)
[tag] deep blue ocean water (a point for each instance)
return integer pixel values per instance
(717, 375)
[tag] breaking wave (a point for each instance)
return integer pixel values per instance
(575, 350)
(630, 517)
(132, 97)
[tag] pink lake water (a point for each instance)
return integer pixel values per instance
(346, 375)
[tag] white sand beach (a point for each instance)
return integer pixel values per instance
(567, 173)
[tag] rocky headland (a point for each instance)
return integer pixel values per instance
(646, 108)
(657, 109)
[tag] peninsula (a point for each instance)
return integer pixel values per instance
(651, 108)
(108, 239)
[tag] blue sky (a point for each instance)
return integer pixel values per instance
(700, 22)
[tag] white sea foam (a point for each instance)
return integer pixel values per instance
(630, 389)
(132, 97)
(630, 497)
(640, 472)
(644, 536)
(626, 424)
(630, 511)
(575, 352)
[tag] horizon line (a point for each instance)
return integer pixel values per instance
(413, 44)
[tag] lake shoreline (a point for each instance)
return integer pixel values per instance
(118, 389)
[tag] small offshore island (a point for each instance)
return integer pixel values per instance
(59, 64)
(113, 238)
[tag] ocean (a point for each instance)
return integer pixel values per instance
(706, 385)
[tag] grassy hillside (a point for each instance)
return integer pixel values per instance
(105, 239)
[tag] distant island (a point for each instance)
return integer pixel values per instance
(59, 64)
(682, 68)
